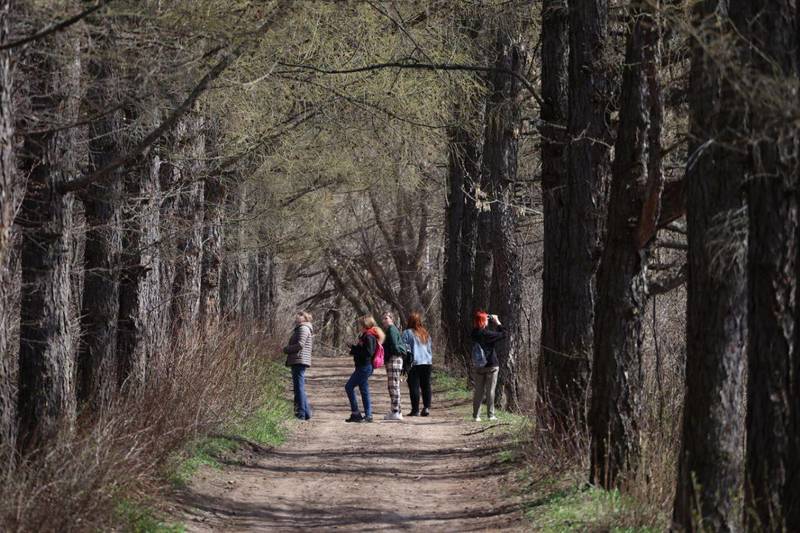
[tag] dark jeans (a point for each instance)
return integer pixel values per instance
(360, 379)
(301, 407)
(419, 377)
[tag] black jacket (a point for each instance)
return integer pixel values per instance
(487, 339)
(364, 350)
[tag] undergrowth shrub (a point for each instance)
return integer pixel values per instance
(205, 383)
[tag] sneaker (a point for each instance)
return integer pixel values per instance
(356, 418)
(367, 419)
(426, 412)
(492, 417)
(476, 418)
(414, 413)
(393, 416)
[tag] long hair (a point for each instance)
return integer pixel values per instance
(481, 319)
(367, 324)
(415, 325)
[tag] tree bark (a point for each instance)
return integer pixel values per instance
(617, 374)
(711, 457)
(555, 46)
(97, 358)
(501, 144)
(48, 343)
(11, 192)
(772, 481)
(213, 253)
(189, 162)
(463, 169)
(143, 309)
(568, 356)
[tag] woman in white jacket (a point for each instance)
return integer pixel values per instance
(298, 357)
(417, 338)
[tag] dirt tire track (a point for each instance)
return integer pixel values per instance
(419, 474)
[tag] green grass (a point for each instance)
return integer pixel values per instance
(584, 508)
(266, 427)
(453, 388)
(140, 519)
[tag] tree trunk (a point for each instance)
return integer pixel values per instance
(189, 161)
(142, 324)
(772, 487)
(501, 143)
(710, 462)
(11, 192)
(462, 169)
(636, 184)
(568, 355)
(48, 343)
(555, 46)
(211, 276)
(97, 359)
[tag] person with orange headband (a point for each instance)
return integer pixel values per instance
(486, 376)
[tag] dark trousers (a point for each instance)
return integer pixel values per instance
(419, 378)
(301, 408)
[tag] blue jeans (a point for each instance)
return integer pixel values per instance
(302, 409)
(360, 379)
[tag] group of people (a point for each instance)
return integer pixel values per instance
(408, 352)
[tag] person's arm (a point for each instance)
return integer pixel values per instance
(396, 342)
(370, 343)
(293, 347)
(490, 337)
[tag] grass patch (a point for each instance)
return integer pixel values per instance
(453, 388)
(585, 508)
(266, 427)
(139, 519)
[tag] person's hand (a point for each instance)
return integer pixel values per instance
(495, 319)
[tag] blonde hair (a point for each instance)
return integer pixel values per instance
(305, 314)
(368, 322)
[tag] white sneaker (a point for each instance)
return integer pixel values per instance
(477, 419)
(393, 416)
(492, 417)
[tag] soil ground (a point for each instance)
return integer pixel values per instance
(439, 473)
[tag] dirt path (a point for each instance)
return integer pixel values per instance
(435, 474)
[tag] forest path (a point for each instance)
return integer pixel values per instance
(440, 473)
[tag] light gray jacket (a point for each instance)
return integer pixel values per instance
(298, 351)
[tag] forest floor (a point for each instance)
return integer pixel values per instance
(440, 473)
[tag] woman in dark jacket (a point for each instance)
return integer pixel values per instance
(363, 352)
(486, 376)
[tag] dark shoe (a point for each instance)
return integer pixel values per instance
(413, 413)
(357, 418)
(426, 412)
(367, 419)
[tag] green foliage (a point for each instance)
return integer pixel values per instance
(139, 519)
(584, 508)
(451, 387)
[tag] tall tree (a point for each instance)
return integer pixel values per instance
(566, 382)
(48, 341)
(711, 457)
(97, 364)
(500, 149)
(11, 190)
(555, 47)
(772, 481)
(636, 185)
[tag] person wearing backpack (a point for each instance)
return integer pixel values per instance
(394, 349)
(367, 354)
(298, 358)
(419, 375)
(485, 364)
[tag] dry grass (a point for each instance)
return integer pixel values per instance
(75, 483)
